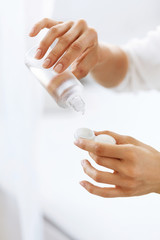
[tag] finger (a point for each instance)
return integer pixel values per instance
(99, 176)
(63, 44)
(85, 41)
(101, 149)
(84, 64)
(120, 139)
(44, 23)
(54, 32)
(111, 163)
(123, 139)
(102, 192)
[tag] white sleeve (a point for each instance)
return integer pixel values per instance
(144, 64)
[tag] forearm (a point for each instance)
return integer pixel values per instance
(112, 66)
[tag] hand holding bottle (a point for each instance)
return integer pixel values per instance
(77, 45)
(79, 48)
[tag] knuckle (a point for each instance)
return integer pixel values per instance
(76, 46)
(97, 176)
(45, 20)
(97, 149)
(90, 189)
(93, 32)
(64, 40)
(53, 54)
(130, 146)
(43, 44)
(97, 159)
(106, 132)
(82, 72)
(130, 151)
(82, 22)
(65, 59)
(54, 30)
(70, 23)
(128, 139)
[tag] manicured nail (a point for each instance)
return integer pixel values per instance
(46, 62)
(82, 184)
(58, 67)
(38, 53)
(76, 141)
(32, 31)
(83, 163)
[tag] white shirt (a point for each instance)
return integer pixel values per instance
(144, 63)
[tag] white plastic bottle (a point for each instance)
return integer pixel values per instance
(64, 87)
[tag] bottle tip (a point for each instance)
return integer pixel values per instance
(77, 104)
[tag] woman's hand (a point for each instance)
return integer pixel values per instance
(77, 46)
(136, 167)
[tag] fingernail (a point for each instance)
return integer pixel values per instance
(58, 67)
(83, 163)
(78, 142)
(46, 62)
(32, 31)
(82, 184)
(38, 53)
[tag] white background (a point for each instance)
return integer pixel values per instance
(85, 216)
(44, 133)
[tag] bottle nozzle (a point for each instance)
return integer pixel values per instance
(76, 103)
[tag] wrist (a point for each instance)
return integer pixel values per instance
(104, 53)
(111, 67)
